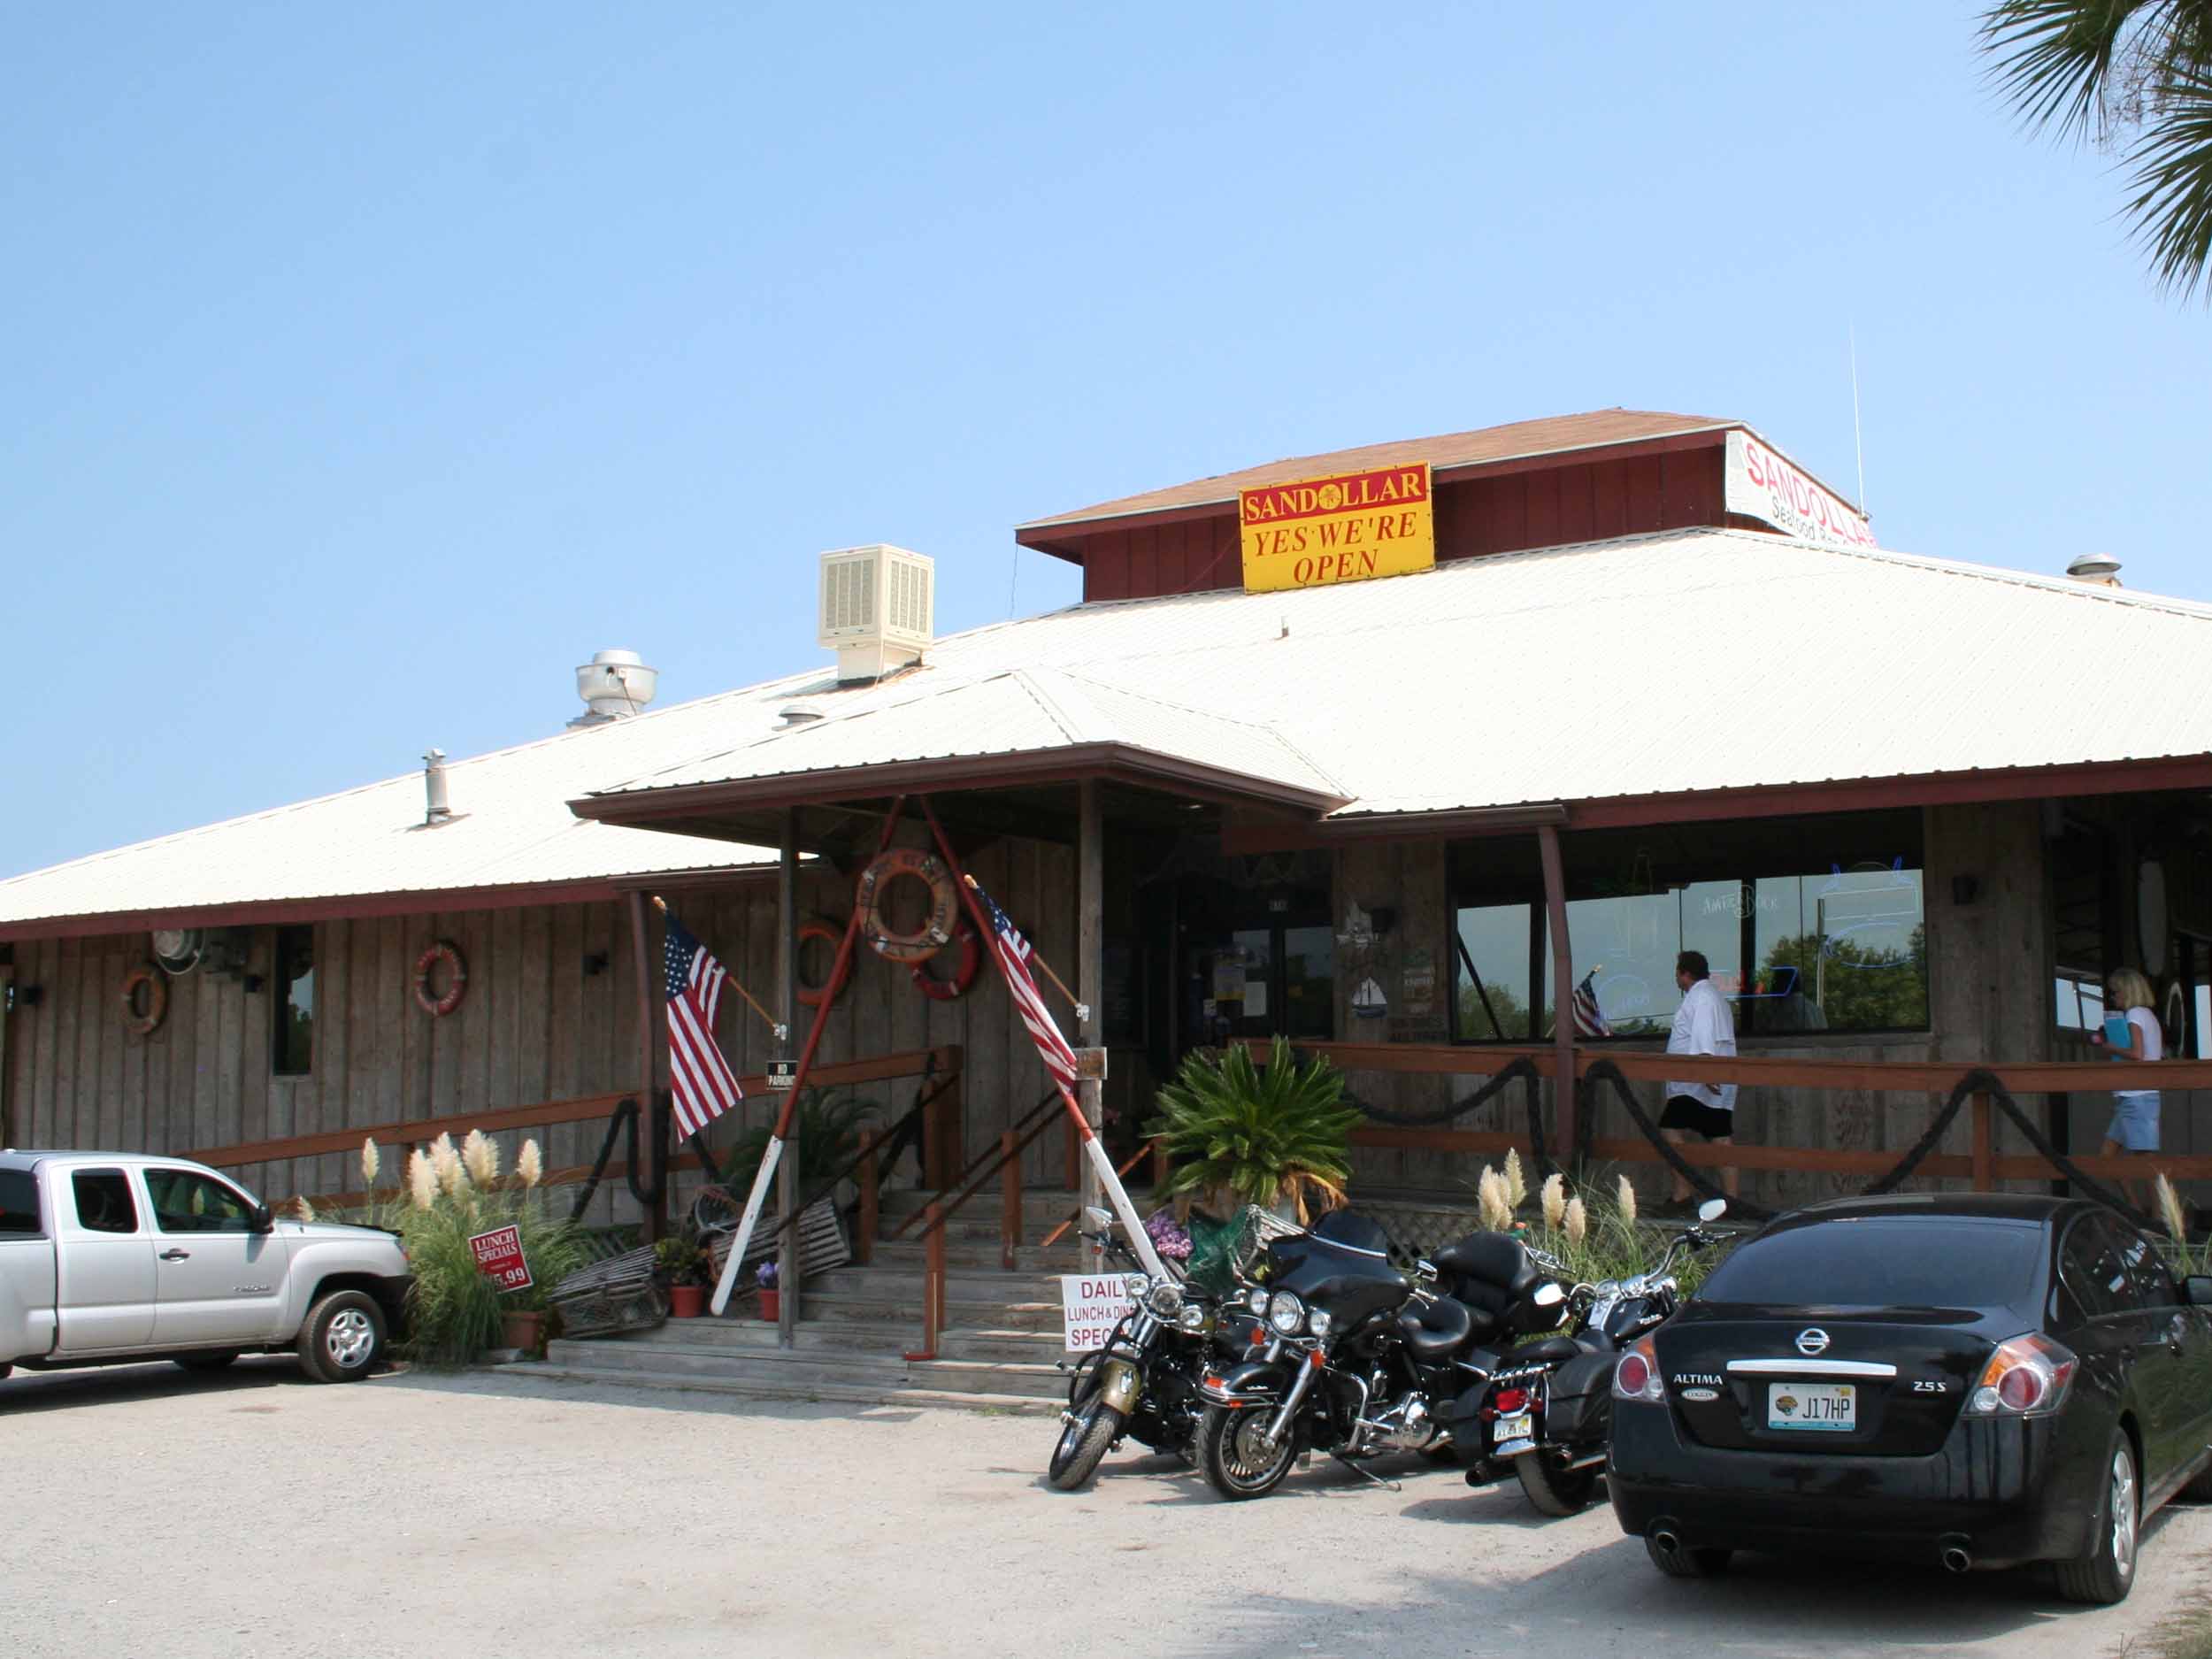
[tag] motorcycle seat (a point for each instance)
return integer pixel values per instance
(1494, 1260)
(1434, 1331)
(1544, 1349)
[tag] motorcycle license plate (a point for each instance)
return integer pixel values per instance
(1514, 1435)
(1823, 1408)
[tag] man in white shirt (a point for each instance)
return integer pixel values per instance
(1703, 1025)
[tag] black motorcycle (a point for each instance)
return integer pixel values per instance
(1547, 1408)
(1142, 1383)
(1353, 1358)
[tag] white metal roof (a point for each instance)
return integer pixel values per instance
(1685, 661)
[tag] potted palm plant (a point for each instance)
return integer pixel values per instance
(1277, 1136)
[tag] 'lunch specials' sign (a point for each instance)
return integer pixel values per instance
(1340, 529)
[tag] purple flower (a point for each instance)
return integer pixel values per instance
(766, 1274)
(1167, 1238)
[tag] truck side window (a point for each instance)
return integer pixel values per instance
(18, 1203)
(104, 1201)
(185, 1201)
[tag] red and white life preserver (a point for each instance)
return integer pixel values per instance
(964, 976)
(935, 933)
(815, 995)
(156, 1002)
(457, 980)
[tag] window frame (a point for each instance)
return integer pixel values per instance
(288, 940)
(130, 1196)
(147, 1177)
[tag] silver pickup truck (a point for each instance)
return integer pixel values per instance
(107, 1258)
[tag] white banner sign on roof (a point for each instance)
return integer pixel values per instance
(1763, 485)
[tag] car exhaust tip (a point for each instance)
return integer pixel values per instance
(1956, 1560)
(1667, 1541)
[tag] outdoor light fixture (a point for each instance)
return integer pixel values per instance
(26, 996)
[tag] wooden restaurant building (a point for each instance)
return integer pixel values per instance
(1342, 748)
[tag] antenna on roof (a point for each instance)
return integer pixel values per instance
(1858, 442)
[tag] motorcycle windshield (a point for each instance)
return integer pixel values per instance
(1350, 1282)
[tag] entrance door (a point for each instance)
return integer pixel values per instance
(1272, 981)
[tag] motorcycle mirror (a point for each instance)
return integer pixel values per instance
(1425, 1269)
(1103, 1219)
(1712, 1210)
(1547, 1295)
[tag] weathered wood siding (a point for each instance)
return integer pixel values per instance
(534, 1027)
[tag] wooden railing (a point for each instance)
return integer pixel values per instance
(1982, 1165)
(942, 1136)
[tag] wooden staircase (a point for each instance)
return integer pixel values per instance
(1000, 1348)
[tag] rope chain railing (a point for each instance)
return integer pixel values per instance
(1518, 1070)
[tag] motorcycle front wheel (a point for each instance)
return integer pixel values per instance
(1552, 1490)
(1233, 1451)
(1083, 1438)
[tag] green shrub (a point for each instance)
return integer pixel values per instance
(1254, 1136)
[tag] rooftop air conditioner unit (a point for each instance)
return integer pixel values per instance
(878, 609)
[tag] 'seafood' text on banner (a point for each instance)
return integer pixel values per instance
(1344, 528)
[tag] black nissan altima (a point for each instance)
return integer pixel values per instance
(1979, 1380)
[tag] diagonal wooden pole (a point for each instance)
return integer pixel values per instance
(777, 1136)
(1109, 1181)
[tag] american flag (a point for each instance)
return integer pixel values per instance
(703, 1085)
(1589, 1022)
(1012, 952)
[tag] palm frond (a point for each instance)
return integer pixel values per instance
(2053, 59)
(2171, 210)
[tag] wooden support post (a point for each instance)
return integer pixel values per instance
(932, 1280)
(1562, 991)
(1009, 1225)
(945, 1134)
(653, 1154)
(787, 1266)
(1071, 1166)
(1159, 1168)
(1090, 974)
(871, 1200)
(1984, 1147)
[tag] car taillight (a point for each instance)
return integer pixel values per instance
(2027, 1377)
(1636, 1376)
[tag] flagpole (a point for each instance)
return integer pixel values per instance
(1109, 1179)
(1082, 1010)
(781, 1030)
(776, 1136)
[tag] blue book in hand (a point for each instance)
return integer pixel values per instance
(2118, 1033)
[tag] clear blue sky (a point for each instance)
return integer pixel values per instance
(366, 369)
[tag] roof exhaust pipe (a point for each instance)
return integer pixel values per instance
(439, 810)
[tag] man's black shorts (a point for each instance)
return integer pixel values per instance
(1713, 1122)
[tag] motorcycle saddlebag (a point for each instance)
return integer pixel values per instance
(1579, 1398)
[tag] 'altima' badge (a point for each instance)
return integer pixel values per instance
(1812, 1342)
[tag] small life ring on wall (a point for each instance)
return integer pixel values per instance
(970, 960)
(456, 982)
(156, 1002)
(815, 995)
(935, 933)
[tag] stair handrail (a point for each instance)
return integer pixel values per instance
(940, 1210)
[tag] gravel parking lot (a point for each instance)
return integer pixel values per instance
(421, 1514)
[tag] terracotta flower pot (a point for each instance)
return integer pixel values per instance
(524, 1331)
(771, 1304)
(687, 1301)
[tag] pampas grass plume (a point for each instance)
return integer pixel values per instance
(1553, 1198)
(447, 1164)
(1577, 1222)
(2169, 1208)
(1516, 1184)
(1627, 1199)
(422, 1180)
(1497, 1214)
(371, 1164)
(530, 1163)
(480, 1155)
(300, 1208)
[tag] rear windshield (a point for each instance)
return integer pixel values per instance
(1886, 1262)
(18, 1203)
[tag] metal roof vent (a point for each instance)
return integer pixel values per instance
(614, 685)
(2100, 570)
(798, 714)
(878, 609)
(438, 808)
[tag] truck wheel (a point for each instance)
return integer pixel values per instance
(343, 1335)
(208, 1362)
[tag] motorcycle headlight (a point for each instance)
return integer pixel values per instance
(1286, 1313)
(1192, 1319)
(1319, 1321)
(1136, 1285)
(1164, 1300)
(1257, 1301)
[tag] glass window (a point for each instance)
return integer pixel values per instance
(105, 1203)
(2090, 1271)
(1491, 974)
(295, 1033)
(18, 1203)
(188, 1201)
(1884, 1262)
(1309, 984)
(1844, 951)
(2153, 1286)
(2079, 995)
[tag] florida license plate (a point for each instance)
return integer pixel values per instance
(1514, 1435)
(1832, 1408)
